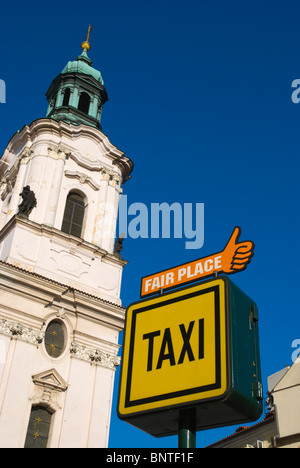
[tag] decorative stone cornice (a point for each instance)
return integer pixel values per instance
(50, 379)
(58, 152)
(9, 175)
(83, 178)
(42, 127)
(94, 356)
(15, 329)
(49, 386)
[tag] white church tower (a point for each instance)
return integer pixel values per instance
(60, 270)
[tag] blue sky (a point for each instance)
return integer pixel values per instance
(200, 100)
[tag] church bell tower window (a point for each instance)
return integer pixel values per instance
(74, 214)
(66, 97)
(84, 103)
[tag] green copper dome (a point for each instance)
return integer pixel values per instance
(77, 95)
(83, 64)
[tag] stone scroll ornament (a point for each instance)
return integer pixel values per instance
(119, 245)
(234, 258)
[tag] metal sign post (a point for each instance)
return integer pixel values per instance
(187, 429)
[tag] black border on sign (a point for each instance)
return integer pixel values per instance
(166, 396)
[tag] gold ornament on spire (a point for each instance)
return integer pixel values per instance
(86, 45)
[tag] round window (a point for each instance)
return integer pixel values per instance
(55, 339)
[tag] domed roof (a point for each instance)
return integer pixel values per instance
(77, 95)
(83, 64)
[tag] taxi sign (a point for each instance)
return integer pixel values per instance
(177, 355)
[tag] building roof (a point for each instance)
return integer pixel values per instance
(269, 417)
(36, 275)
(83, 64)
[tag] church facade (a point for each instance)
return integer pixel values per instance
(60, 274)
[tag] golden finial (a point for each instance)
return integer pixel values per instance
(86, 45)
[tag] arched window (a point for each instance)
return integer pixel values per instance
(74, 214)
(38, 427)
(84, 103)
(55, 339)
(66, 97)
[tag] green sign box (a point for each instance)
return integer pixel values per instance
(192, 350)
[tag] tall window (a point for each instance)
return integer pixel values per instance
(38, 427)
(66, 97)
(84, 103)
(73, 216)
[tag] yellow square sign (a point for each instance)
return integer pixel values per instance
(175, 350)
